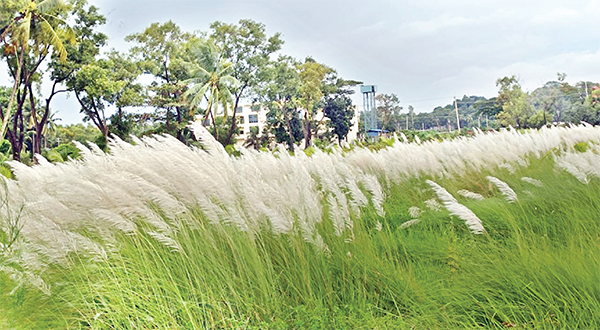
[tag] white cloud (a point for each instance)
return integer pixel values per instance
(559, 15)
(479, 80)
(373, 27)
(436, 24)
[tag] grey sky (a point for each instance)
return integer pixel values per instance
(425, 51)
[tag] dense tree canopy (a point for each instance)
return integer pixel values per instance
(170, 77)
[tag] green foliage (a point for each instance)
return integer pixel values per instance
(279, 93)
(516, 109)
(388, 111)
(63, 134)
(220, 128)
(67, 151)
(5, 152)
(121, 125)
(35, 30)
(556, 101)
(158, 51)
(340, 112)
(248, 48)
(257, 140)
(312, 78)
(210, 80)
(5, 147)
(581, 146)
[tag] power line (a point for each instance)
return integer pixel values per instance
(424, 100)
(495, 101)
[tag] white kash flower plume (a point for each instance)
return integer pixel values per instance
(455, 208)
(508, 193)
(410, 223)
(433, 205)
(532, 181)
(207, 140)
(378, 226)
(470, 194)
(414, 211)
(574, 170)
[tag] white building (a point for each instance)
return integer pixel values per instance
(252, 117)
(249, 117)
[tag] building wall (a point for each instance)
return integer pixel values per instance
(249, 117)
(353, 134)
(246, 112)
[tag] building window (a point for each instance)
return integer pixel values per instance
(253, 119)
(241, 131)
(239, 110)
(240, 119)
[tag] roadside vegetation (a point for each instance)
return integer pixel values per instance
(450, 234)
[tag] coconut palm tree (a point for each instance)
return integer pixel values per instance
(32, 21)
(210, 80)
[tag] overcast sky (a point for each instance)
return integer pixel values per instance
(425, 51)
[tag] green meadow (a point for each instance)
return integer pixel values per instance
(536, 265)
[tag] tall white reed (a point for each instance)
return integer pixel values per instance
(106, 193)
(509, 194)
(455, 208)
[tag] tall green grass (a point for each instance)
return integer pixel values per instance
(537, 267)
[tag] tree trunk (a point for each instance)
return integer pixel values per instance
(17, 133)
(238, 96)
(233, 121)
(178, 129)
(36, 141)
(288, 123)
(214, 123)
(307, 131)
(12, 95)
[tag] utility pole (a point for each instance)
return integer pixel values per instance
(457, 119)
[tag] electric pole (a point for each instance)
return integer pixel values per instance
(457, 119)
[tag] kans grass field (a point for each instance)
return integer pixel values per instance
(497, 231)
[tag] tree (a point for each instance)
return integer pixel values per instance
(485, 107)
(311, 75)
(279, 91)
(36, 30)
(158, 51)
(95, 89)
(83, 51)
(256, 140)
(131, 94)
(248, 48)
(388, 109)
(210, 80)
(340, 111)
(36, 26)
(516, 109)
(103, 83)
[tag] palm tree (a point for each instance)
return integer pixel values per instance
(32, 21)
(211, 80)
